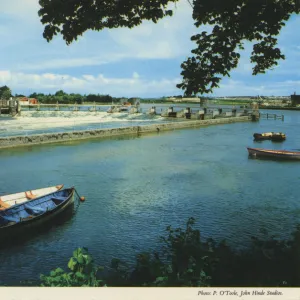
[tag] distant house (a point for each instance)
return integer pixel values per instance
(27, 101)
(184, 99)
(295, 99)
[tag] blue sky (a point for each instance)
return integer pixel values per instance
(140, 62)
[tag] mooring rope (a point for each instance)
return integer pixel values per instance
(79, 198)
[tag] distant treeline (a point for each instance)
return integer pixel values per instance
(65, 98)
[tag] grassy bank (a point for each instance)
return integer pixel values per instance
(231, 102)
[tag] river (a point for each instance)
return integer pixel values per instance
(137, 185)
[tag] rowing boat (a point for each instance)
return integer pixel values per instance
(282, 154)
(23, 218)
(273, 136)
(7, 201)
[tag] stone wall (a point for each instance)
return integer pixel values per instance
(15, 141)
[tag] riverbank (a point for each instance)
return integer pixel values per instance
(17, 141)
(279, 107)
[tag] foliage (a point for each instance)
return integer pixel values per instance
(190, 259)
(5, 92)
(234, 22)
(65, 98)
(217, 53)
(60, 93)
(99, 98)
(185, 260)
(83, 272)
(72, 18)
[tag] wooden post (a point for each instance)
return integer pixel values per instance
(267, 116)
(282, 118)
(275, 116)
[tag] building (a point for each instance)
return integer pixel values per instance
(295, 99)
(184, 99)
(27, 101)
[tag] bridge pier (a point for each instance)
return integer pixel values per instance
(152, 110)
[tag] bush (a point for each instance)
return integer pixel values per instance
(184, 260)
(83, 272)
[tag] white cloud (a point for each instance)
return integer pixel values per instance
(89, 77)
(231, 87)
(5, 76)
(134, 85)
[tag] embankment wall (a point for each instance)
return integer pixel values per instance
(17, 141)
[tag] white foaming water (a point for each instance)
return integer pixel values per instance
(49, 121)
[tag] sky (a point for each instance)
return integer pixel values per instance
(140, 62)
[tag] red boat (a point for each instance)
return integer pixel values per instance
(282, 154)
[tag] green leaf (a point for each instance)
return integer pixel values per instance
(80, 275)
(72, 264)
(80, 259)
(160, 279)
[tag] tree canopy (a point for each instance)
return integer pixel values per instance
(216, 54)
(5, 92)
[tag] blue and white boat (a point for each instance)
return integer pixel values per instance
(26, 216)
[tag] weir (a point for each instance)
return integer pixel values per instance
(38, 139)
(173, 111)
(9, 107)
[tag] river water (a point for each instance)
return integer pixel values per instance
(136, 186)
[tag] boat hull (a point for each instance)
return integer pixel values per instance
(278, 154)
(276, 137)
(29, 227)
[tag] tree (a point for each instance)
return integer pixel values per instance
(217, 53)
(60, 93)
(33, 95)
(5, 92)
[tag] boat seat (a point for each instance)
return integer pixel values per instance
(59, 198)
(35, 209)
(10, 219)
(3, 204)
(29, 195)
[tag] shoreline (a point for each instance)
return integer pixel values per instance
(279, 108)
(60, 137)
